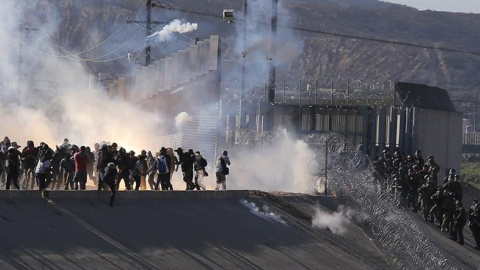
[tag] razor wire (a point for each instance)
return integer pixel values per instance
(352, 179)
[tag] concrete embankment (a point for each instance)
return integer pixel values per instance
(93, 194)
(173, 230)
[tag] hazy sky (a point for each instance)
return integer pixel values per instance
(469, 6)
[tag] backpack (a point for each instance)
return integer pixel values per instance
(203, 162)
(162, 165)
(225, 169)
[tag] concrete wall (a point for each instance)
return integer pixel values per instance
(439, 133)
(170, 73)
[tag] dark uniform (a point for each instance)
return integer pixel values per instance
(437, 208)
(413, 184)
(433, 170)
(474, 221)
(449, 211)
(453, 186)
(418, 159)
(449, 177)
(426, 192)
(460, 219)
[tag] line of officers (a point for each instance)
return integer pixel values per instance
(415, 185)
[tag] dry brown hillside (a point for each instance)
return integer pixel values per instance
(86, 22)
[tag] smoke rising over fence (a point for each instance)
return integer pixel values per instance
(176, 26)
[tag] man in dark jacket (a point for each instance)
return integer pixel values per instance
(13, 168)
(186, 165)
(68, 167)
(132, 161)
(123, 162)
(109, 176)
(29, 161)
(57, 175)
(105, 157)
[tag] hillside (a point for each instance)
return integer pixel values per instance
(322, 56)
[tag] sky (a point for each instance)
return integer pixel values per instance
(467, 6)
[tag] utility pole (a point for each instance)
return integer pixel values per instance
(475, 113)
(241, 109)
(149, 24)
(149, 32)
(269, 110)
(326, 165)
(22, 30)
(273, 36)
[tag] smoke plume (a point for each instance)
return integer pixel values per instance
(336, 222)
(182, 119)
(45, 96)
(175, 26)
(280, 167)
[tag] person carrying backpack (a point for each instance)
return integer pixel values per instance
(140, 171)
(222, 170)
(163, 164)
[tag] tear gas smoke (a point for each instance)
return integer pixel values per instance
(254, 48)
(265, 214)
(336, 222)
(280, 167)
(50, 99)
(175, 26)
(182, 119)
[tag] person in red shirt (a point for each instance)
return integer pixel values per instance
(81, 161)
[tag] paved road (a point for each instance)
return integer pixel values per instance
(187, 232)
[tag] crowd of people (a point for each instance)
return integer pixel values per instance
(69, 166)
(414, 183)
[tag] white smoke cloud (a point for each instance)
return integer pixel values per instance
(282, 167)
(175, 26)
(182, 119)
(336, 222)
(265, 214)
(53, 101)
